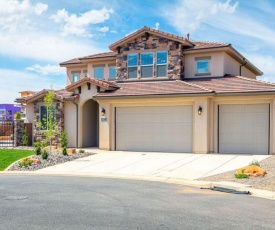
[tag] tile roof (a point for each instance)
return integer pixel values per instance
(105, 84)
(147, 88)
(89, 57)
(59, 95)
(233, 84)
(214, 85)
(148, 29)
(99, 55)
(207, 45)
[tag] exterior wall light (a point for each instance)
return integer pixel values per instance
(103, 112)
(199, 110)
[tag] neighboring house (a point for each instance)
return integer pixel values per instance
(156, 91)
(7, 111)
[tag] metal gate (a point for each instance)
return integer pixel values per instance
(6, 133)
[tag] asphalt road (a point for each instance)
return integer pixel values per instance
(50, 202)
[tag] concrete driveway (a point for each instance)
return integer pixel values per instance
(151, 164)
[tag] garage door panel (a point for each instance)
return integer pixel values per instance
(244, 129)
(167, 129)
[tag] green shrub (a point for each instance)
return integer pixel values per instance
(17, 116)
(81, 151)
(37, 149)
(25, 137)
(45, 154)
(255, 162)
(241, 176)
(64, 151)
(25, 162)
(64, 139)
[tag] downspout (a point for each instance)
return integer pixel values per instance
(76, 123)
(245, 62)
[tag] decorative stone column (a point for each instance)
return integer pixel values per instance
(18, 132)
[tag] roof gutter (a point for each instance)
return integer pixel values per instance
(255, 93)
(153, 96)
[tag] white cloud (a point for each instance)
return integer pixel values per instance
(28, 81)
(47, 69)
(46, 47)
(189, 14)
(264, 62)
(40, 8)
(17, 15)
(103, 29)
(79, 25)
(157, 26)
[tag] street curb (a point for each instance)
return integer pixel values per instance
(194, 183)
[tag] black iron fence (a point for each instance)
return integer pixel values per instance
(6, 133)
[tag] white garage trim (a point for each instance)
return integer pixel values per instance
(244, 128)
(154, 128)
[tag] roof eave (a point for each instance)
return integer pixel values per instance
(145, 29)
(97, 97)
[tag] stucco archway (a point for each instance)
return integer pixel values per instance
(90, 129)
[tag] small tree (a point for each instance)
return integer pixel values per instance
(64, 142)
(25, 137)
(48, 122)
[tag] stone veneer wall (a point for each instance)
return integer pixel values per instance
(18, 132)
(59, 118)
(151, 44)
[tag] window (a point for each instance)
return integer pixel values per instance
(76, 77)
(9, 112)
(85, 73)
(112, 72)
(147, 61)
(202, 66)
(98, 73)
(148, 65)
(162, 64)
(132, 65)
(45, 116)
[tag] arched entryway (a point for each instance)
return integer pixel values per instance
(90, 129)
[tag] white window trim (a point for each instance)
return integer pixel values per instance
(154, 75)
(132, 65)
(153, 64)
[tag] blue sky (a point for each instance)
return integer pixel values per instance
(36, 35)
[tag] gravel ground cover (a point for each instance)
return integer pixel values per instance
(267, 182)
(53, 159)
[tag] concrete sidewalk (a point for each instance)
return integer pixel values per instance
(150, 164)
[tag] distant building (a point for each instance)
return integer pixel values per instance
(7, 111)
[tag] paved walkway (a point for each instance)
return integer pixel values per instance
(147, 164)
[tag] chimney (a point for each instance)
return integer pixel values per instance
(188, 35)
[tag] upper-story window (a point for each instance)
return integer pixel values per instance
(76, 77)
(85, 73)
(147, 64)
(152, 64)
(162, 64)
(99, 73)
(203, 65)
(132, 65)
(112, 72)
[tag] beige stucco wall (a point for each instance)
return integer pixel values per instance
(70, 122)
(216, 64)
(70, 71)
(107, 63)
(29, 113)
(231, 66)
(205, 126)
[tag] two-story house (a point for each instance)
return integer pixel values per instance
(156, 91)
